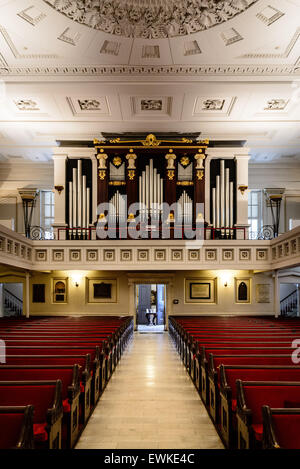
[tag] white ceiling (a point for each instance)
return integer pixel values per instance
(236, 80)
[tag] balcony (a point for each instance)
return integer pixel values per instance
(149, 254)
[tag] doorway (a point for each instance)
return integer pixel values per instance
(150, 307)
(11, 299)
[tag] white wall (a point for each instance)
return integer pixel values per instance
(14, 176)
(278, 176)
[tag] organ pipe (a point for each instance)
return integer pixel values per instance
(186, 205)
(222, 202)
(151, 193)
(79, 202)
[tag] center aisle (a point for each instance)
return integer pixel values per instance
(150, 403)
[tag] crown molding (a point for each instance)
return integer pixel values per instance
(159, 70)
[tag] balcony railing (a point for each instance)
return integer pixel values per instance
(155, 254)
(142, 232)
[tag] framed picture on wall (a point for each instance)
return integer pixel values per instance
(60, 290)
(101, 290)
(242, 290)
(200, 290)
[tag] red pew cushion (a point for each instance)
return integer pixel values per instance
(40, 432)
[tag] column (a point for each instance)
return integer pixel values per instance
(170, 184)
(276, 294)
(199, 184)
(94, 197)
(131, 181)
(60, 190)
(102, 179)
(27, 295)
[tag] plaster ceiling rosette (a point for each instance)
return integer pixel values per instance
(150, 19)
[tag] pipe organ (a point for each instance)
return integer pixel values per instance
(128, 180)
(154, 172)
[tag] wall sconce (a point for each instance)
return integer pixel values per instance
(225, 278)
(242, 189)
(76, 278)
(59, 189)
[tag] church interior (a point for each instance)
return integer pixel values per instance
(149, 224)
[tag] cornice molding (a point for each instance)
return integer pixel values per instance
(159, 70)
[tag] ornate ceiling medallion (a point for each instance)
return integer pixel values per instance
(145, 19)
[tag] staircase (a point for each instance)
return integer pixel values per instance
(12, 305)
(289, 305)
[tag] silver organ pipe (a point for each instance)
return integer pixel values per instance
(70, 204)
(222, 202)
(186, 205)
(222, 196)
(218, 202)
(151, 192)
(79, 195)
(227, 207)
(84, 211)
(79, 202)
(231, 207)
(74, 200)
(118, 209)
(214, 207)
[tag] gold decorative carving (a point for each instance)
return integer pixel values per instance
(185, 183)
(130, 217)
(200, 174)
(131, 174)
(151, 141)
(102, 174)
(171, 218)
(171, 174)
(117, 183)
(185, 160)
(117, 161)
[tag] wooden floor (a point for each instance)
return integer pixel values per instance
(150, 403)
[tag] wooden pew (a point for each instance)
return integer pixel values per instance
(107, 357)
(281, 428)
(229, 374)
(69, 376)
(251, 396)
(97, 360)
(85, 373)
(235, 349)
(16, 427)
(214, 363)
(46, 398)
